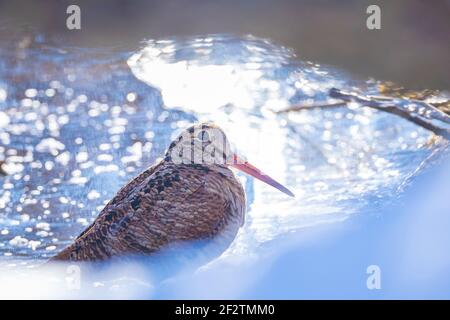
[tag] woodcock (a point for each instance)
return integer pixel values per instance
(191, 194)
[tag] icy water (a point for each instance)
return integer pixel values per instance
(76, 124)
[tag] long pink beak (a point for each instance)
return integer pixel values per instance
(246, 167)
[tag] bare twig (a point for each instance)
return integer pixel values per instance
(387, 105)
(298, 107)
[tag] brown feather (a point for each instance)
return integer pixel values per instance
(166, 204)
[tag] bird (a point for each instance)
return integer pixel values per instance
(191, 194)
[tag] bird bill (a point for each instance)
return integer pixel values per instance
(250, 169)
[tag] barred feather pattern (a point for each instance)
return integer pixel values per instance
(166, 204)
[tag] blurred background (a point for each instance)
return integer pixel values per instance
(412, 47)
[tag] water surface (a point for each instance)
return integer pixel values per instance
(76, 124)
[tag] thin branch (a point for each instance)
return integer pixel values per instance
(385, 104)
(298, 107)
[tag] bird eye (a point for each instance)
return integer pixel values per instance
(203, 136)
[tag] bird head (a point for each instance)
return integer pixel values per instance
(207, 144)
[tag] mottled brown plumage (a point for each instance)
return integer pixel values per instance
(169, 203)
(166, 204)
